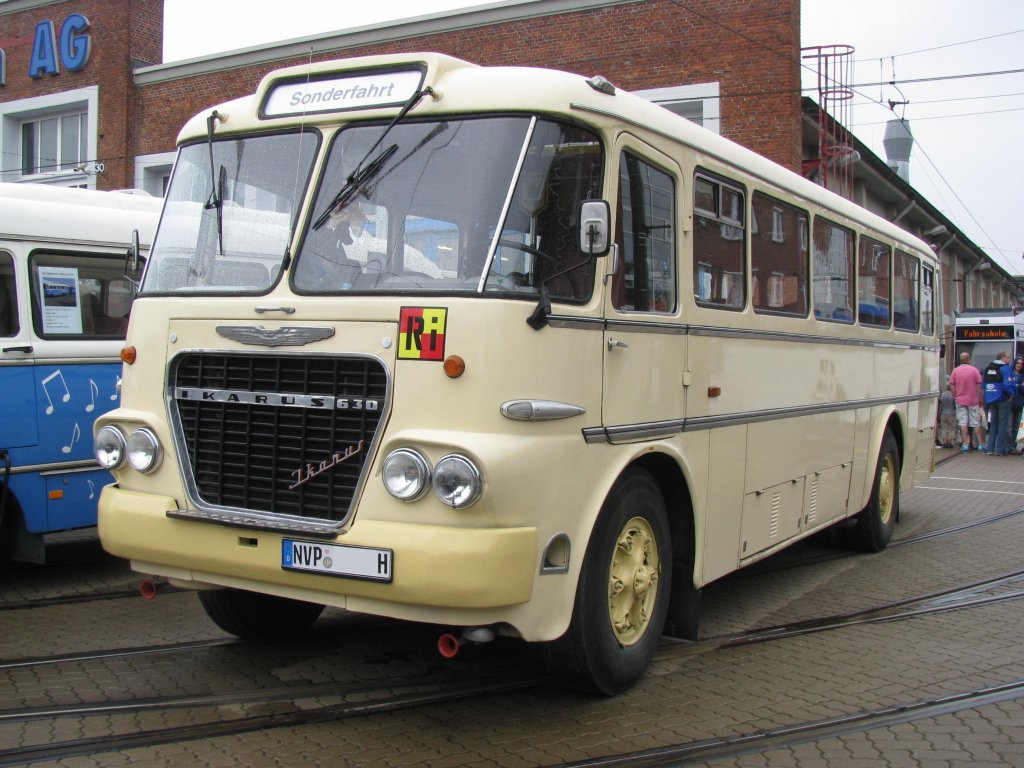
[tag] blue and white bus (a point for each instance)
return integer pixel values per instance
(64, 302)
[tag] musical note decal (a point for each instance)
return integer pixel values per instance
(117, 388)
(64, 398)
(92, 489)
(75, 435)
(93, 391)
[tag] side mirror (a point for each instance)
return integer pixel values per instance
(135, 262)
(595, 222)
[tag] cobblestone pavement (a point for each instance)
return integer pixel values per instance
(692, 694)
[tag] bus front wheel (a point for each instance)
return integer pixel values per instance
(255, 616)
(875, 523)
(622, 595)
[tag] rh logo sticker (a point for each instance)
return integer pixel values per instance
(421, 333)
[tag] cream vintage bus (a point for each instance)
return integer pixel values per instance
(507, 350)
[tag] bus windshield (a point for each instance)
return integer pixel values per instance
(229, 218)
(435, 206)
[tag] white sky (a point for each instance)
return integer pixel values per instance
(967, 159)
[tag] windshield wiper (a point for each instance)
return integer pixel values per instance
(216, 199)
(353, 184)
(360, 175)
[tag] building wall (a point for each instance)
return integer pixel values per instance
(119, 30)
(750, 47)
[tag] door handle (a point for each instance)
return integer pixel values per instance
(613, 343)
(27, 348)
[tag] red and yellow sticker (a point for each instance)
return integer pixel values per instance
(421, 333)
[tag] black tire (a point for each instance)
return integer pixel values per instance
(623, 593)
(875, 523)
(255, 616)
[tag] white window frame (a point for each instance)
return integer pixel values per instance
(13, 114)
(706, 95)
(150, 171)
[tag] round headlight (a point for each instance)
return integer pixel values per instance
(108, 447)
(406, 474)
(143, 450)
(457, 481)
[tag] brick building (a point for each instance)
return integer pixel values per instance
(133, 106)
(86, 101)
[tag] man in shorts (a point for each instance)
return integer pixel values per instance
(965, 384)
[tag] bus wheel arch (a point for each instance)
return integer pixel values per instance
(622, 593)
(874, 525)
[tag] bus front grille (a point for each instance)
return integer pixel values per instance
(277, 434)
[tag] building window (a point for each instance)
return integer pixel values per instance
(53, 143)
(697, 103)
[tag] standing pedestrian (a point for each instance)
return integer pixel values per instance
(1018, 403)
(1000, 385)
(948, 433)
(965, 384)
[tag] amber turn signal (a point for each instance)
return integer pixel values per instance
(128, 355)
(454, 366)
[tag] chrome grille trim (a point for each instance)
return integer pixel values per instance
(241, 447)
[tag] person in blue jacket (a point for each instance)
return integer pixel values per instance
(999, 383)
(1018, 403)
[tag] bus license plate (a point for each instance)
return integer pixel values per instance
(337, 560)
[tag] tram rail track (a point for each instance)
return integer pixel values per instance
(391, 694)
(384, 696)
(693, 752)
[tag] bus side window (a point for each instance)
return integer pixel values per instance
(646, 278)
(833, 272)
(79, 295)
(873, 283)
(8, 298)
(927, 300)
(905, 290)
(719, 278)
(778, 257)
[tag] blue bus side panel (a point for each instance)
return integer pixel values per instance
(68, 400)
(64, 402)
(72, 498)
(18, 424)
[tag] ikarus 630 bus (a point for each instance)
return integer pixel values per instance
(474, 346)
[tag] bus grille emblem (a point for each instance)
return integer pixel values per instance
(287, 336)
(308, 472)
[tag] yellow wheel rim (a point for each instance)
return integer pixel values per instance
(886, 488)
(633, 581)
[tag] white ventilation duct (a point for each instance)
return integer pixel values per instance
(898, 141)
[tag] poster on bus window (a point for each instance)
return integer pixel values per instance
(62, 312)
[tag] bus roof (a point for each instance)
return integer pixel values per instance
(461, 87)
(61, 214)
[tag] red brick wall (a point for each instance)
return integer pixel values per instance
(120, 29)
(750, 47)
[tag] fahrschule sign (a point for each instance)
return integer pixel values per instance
(51, 53)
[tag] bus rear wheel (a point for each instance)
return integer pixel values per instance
(622, 595)
(255, 616)
(874, 524)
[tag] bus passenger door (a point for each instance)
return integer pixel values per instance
(644, 350)
(17, 408)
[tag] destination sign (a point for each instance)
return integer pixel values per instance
(362, 91)
(984, 332)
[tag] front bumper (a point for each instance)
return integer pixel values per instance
(458, 568)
